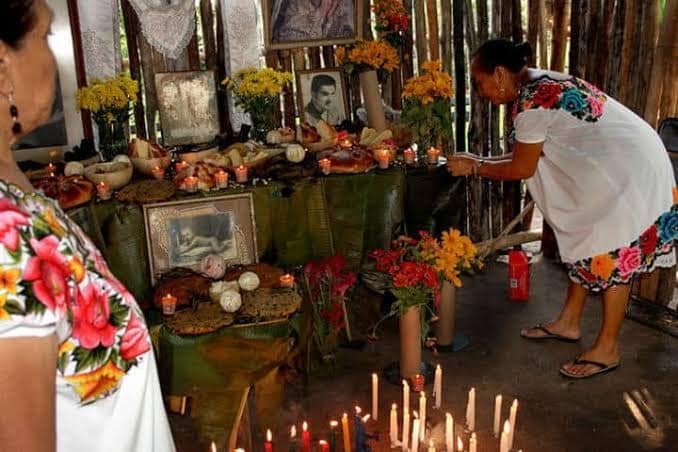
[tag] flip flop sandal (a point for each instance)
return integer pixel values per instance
(602, 368)
(548, 334)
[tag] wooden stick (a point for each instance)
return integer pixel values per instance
(347, 324)
(491, 244)
(487, 247)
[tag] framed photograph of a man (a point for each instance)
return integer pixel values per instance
(182, 233)
(306, 23)
(322, 96)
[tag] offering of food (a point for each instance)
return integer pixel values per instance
(204, 172)
(146, 155)
(356, 159)
(114, 174)
(69, 191)
(281, 135)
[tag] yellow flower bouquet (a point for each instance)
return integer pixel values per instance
(109, 101)
(257, 91)
(452, 255)
(368, 55)
(426, 106)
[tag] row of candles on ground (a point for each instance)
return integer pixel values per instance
(169, 301)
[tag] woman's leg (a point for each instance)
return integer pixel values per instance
(567, 323)
(606, 348)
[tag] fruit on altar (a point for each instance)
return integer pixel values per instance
(248, 281)
(74, 169)
(213, 266)
(295, 153)
(230, 301)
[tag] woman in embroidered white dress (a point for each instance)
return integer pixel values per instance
(602, 179)
(77, 370)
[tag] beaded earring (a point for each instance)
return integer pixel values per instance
(14, 113)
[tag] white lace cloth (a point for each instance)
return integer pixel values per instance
(167, 27)
(100, 34)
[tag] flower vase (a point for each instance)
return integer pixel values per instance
(410, 342)
(263, 121)
(369, 84)
(112, 138)
(446, 314)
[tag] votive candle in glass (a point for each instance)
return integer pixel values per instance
(287, 281)
(383, 156)
(221, 179)
(241, 174)
(325, 166)
(191, 184)
(104, 191)
(409, 155)
(158, 172)
(180, 166)
(433, 155)
(418, 381)
(169, 304)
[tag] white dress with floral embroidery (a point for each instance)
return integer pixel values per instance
(604, 176)
(53, 280)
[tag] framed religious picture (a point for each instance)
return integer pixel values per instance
(322, 95)
(182, 233)
(188, 107)
(308, 23)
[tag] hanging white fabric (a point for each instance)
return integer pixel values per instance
(100, 36)
(168, 28)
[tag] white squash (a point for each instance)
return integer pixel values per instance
(230, 301)
(295, 153)
(219, 287)
(273, 137)
(122, 158)
(248, 281)
(74, 169)
(213, 266)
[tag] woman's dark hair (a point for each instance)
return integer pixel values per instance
(502, 52)
(17, 18)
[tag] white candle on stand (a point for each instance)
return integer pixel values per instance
(512, 421)
(422, 416)
(375, 397)
(504, 441)
(471, 410)
(473, 443)
(406, 397)
(406, 430)
(415, 435)
(449, 431)
(438, 386)
(393, 431)
(497, 415)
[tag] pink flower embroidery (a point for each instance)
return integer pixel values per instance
(596, 105)
(629, 260)
(48, 270)
(11, 217)
(91, 313)
(135, 341)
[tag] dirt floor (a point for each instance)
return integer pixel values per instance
(555, 414)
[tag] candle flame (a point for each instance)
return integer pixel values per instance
(304, 426)
(394, 406)
(430, 443)
(405, 383)
(322, 442)
(438, 367)
(269, 435)
(213, 447)
(416, 415)
(423, 395)
(375, 377)
(293, 431)
(507, 427)
(358, 410)
(448, 416)
(515, 404)
(333, 424)
(460, 444)
(366, 418)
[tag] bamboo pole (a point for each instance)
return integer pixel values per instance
(433, 31)
(617, 38)
(534, 19)
(594, 62)
(561, 16)
(222, 100)
(446, 29)
(420, 33)
(627, 50)
(131, 22)
(408, 45)
(647, 52)
(207, 16)
(541, 36)
(667, 49)
(459, 74)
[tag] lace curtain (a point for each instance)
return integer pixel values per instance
(100, 35)
(167, 25)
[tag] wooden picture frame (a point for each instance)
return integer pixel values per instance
(182, 233)
(310, 113)
(292, 24)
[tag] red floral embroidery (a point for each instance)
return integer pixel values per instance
(91, 312)
(135, 340)
(11, 217)
(547, 94)
(648, 241)
(49, 270)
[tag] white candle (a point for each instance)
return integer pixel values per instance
(438, 386)
(375, 397)
(213, 447)
(460, 444)
(512, 421)
(406, 397)
(449, 431)
(415, 435)
(504, 441)
(406, 430)
(497, 415)
(422, 416)
(393, 431)
(431, 447)
(473, 443)
(471, 410)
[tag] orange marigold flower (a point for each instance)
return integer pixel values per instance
(92, 385)
(602, 266)
(9, 278)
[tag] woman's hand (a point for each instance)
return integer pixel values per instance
(462, 164)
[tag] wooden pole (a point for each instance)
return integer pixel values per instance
(459, 74)
(617, 38)
(647, 52)
(575, 38)
(420, 31)
(541, 36)
(433, 31)
(605, 40)
(131, 22)
(669, 95)
(517, 21)
(446, 29)
(207, 16)
(561, 16)
(222, 100)
(627, 51)
(534, 18)
(79, 56)
(408, 45)
(593, 60)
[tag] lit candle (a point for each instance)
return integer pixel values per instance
(406, 397)
(51, 168)
(418, 381)
(213, 447)
(325, 166)
(504, 441)
(512, 421)
(287, 281)
(393, 425)
(497, 415)
(333, 435)
(324, 447)
(51, 175)
(383, 156)
(409, 155)
(169, 304)
(305, 438)
(460, 444)
(158, 172)
(180, 166)
(422, 416)
(191, 184)
(221, 179)
(406, 430)
(375, 397)
(104, 191)
(438, 386)
(449, 432)
(415, 434)
(433, 155)
(268, 445)
(346, 432)
(293, 439)
(346, 143)
(431, 447)
(241, 174)
(471, 410)
(473, 443)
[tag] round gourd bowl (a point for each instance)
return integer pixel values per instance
(145, 166)
(114, 174)
(197, 156)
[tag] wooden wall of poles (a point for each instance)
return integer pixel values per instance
(628, 48)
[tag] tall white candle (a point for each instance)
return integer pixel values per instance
(504, 441)
(406, 430)
(422, 416)
(460, 444)
(393, 431)
(415, 435)
(512, 421)
(497, 415)
(375, 397)
(438, 386)
(449, 431)
(471, 410)
(406, 397)
(431, 447)
(473, 443)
